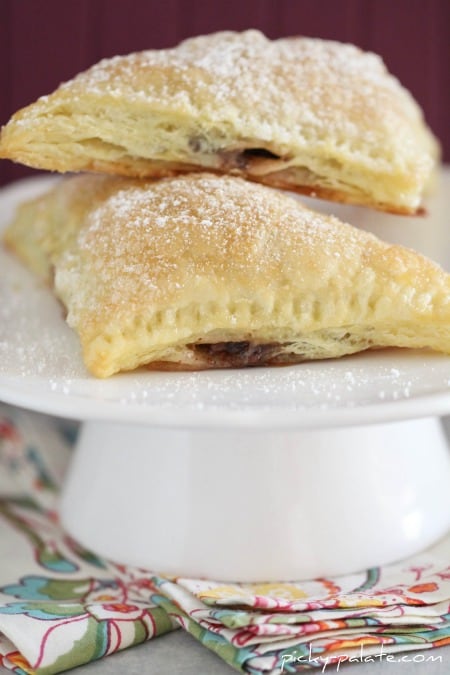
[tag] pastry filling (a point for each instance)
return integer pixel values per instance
(257, 161)
(250, 153)
(252, 160)
(238, 354)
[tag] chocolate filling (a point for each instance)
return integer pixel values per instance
(238, 354)
(259, 152)
(243, 159)
(254, 160)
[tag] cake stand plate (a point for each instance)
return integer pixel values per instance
(248, 475)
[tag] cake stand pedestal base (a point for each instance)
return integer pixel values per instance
(239, 505)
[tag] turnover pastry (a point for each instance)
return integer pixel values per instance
(201, 271)
(303, 114)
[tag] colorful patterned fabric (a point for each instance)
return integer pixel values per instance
(62, 606)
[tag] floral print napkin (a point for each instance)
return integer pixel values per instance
(62, 606)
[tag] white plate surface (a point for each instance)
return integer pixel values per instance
(41, 366)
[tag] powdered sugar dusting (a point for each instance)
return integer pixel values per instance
(134, 243)
(285, 90)
(29, 344)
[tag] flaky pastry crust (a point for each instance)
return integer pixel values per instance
(308, 115)
(201, 271)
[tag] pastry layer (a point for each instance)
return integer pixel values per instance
(201, 271)
(303, 114)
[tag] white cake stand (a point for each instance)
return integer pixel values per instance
(251, 475)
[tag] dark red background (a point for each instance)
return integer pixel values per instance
(43, 42)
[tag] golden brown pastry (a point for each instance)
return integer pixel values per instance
(302, 114)
(202, 271)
